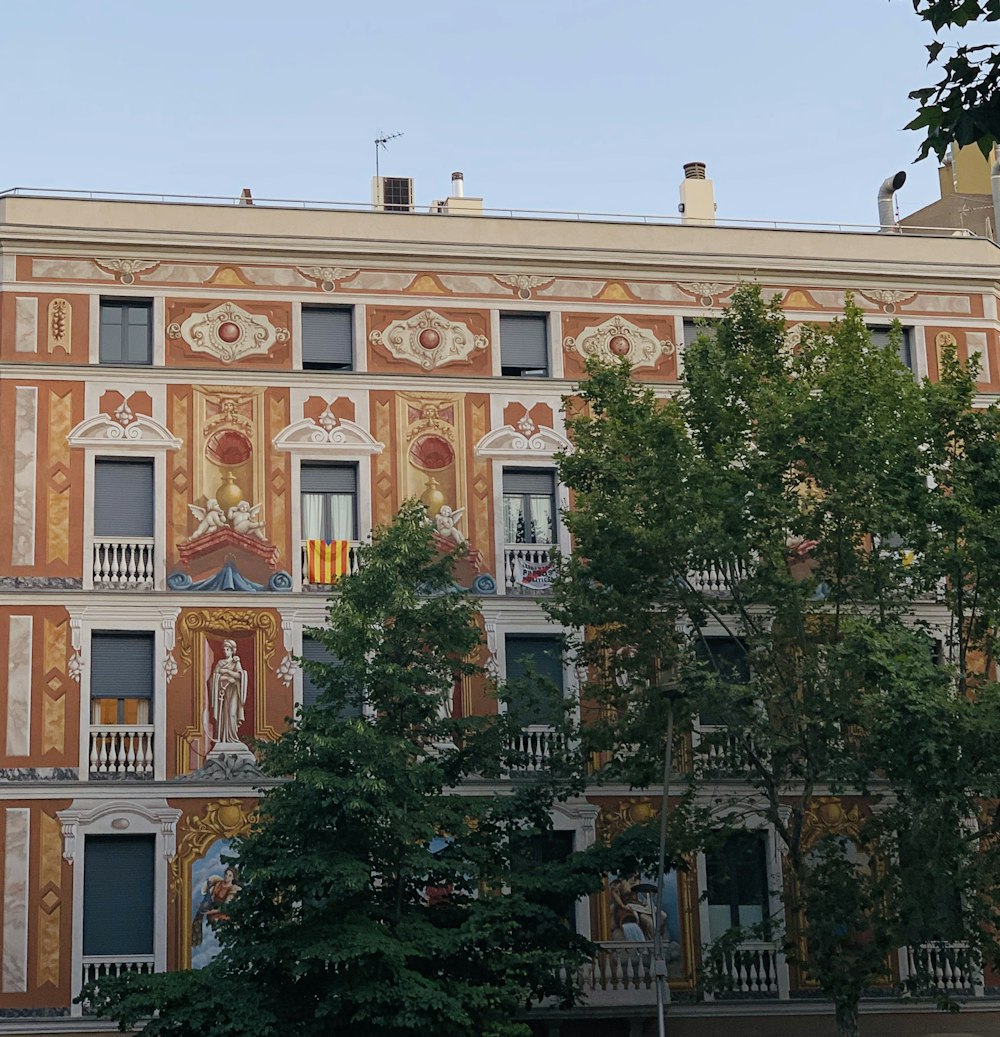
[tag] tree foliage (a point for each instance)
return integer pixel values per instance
(385, 890)
(963, 107)
(834, 519)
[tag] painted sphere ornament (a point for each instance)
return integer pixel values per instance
(228, 494)
(619, 345)
(229, 331)
(429, 338)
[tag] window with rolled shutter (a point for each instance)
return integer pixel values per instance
(121, 676)
(119, 879)
(327, 338)
(529, 506)
(314, 651)
(880, 337)
(123, 497)
(524, 344)
(329, 501)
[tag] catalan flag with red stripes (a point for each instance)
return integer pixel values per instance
(327, 560)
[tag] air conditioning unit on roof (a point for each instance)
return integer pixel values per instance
(392, 193)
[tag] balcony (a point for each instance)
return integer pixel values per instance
(535, 747)
(121, 750)
(527, 568)
(343, 566)
(720, 752)
(96, 967)
(622, 973)
(753, 968)
(951, 967)
(123, 564)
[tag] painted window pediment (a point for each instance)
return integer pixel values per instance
(329, 436)
(527, 440)
(139, 432)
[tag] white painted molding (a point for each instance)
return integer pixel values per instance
(339, 439)
(530, 441)
(116, 817)
(142, 434)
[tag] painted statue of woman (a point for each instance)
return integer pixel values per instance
(228, 686)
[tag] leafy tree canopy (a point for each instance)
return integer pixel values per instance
(797, 555)
(963, 107)
(378, 896)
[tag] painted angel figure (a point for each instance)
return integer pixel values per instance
(244, 520)
(445, 524)
(210, 518)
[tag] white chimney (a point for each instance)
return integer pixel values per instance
(697, 196)
(456, 204)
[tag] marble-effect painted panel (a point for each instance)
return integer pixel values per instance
(14, 972)
(25, 449)
(19, 686)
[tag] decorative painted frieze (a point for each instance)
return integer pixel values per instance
(618, 339)
(228, 333)
(429, 340)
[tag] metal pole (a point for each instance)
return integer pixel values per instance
(659, 962)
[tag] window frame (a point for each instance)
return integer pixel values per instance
(526, 496)
(329, 365)
(543, 319)
(307, 464)
(125, 304)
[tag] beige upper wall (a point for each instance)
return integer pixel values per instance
(81, 225)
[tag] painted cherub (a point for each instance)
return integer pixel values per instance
(210, 518)
(244, 520)
(445, 524)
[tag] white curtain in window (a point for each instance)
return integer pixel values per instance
(513, 519)
(341, 524)
(541, 519)
(312, 516)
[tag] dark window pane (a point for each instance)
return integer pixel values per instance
(118, 887)
(880, 337)
(736, 875)
(126, 331)
(314, 651)
(540, 656)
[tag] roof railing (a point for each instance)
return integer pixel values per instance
(76, 194)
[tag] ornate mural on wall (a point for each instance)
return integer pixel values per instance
(619, 339)
(228, 655)
(228, 332)
(203, 882)
(228, 547)
(429, 340)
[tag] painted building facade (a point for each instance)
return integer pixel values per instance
(189, 394)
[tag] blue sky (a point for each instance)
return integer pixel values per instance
(795, 105)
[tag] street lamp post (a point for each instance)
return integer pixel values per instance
(659, 960)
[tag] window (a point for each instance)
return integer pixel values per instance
(529, 506)
(121, 677)
(123, 498)
(528, 656)
(118, 887)
(880, 337)
(327, 338)
(736, 876)
(524, 345)
(126, 331)
(314, 651)
(727, 657)
(329, 501)
(530, 856)
(694, 328)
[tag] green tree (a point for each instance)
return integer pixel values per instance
(963, 107)
(385, 889)
(808, 502)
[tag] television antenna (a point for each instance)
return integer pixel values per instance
(381, 140)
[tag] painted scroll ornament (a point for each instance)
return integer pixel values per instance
(428, 339)
(228, 333)
(618, 339)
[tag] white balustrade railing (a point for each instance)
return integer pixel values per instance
(751, 967)
(716, 579)
(535, 746)
(122, 564)
(98, 967)
(719, 751)
(353, 564)
(951, 966)
(121, 749)
(527, 568)
(619, 966)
